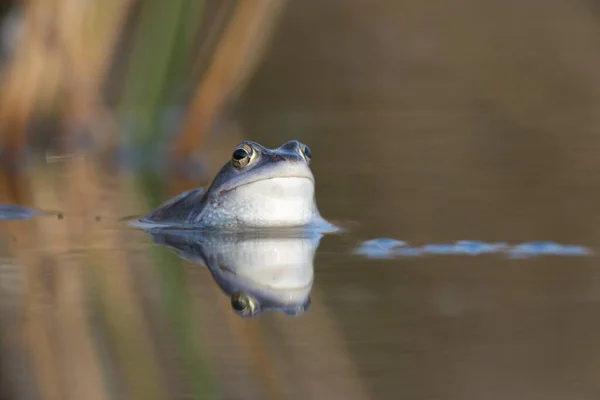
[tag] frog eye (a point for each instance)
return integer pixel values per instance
(243, 304)
(307, 153)
(241, 156)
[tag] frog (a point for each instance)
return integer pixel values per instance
(256, 188)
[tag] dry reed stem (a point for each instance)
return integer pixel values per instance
(228, 363)
(32, 77)
(88, 33)
(247, 336)
(110, 272)
(67, 44)
(79, 356)
(148, 282)
(253, 343)
(36, 326)
(235, 58)
(328, 368)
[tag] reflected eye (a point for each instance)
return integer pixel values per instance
(307, 153)
(243, 304)
(241, 156)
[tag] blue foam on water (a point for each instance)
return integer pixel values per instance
(547, 248)
(476, 248)
(13, 212)
(390, 248)
(439, 249)
(379, 248)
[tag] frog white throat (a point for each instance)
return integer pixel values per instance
(271, 202)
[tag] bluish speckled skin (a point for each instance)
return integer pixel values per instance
(268, 164)
(224, 204)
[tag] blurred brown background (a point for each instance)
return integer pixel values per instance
(430, 121)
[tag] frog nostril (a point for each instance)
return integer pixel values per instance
(292, 145)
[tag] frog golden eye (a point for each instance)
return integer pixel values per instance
(241, 156)
(243, 304)
(307, 153)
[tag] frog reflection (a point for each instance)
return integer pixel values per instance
(258, 272)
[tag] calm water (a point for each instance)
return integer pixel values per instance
(122, 307)
(414, 139)
(367, 318)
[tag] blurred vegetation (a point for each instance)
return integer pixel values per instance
(109, 74)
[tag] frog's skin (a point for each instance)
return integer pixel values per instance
(257, 188)
(258, 272)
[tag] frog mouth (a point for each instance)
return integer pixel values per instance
(271, 178)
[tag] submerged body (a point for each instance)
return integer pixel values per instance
(257, 188)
